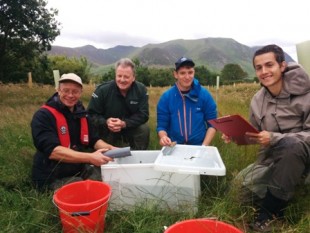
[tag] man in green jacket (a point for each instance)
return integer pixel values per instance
(120, 110)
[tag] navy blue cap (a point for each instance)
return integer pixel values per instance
(183, 61)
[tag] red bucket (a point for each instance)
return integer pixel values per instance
(202, 225)
(82, 206)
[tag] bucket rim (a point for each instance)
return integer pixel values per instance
(206, 220)
(105, 198)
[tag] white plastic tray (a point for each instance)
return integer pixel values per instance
(188, 159)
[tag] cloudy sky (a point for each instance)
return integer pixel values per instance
(108, 23)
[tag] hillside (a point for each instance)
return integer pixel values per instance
(94, 55)
(214, 53)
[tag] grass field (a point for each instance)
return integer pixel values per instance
(22, 209)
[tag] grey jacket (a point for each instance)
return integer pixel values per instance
(288, 114)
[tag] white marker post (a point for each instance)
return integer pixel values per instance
(303, 56)
(217, 87)
(56, 78)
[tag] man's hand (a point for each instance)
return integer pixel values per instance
(263, 138)
(115, 124)
(98, 159)
(226, 138)
(165, 141)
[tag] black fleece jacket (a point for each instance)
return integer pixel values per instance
(45, 139)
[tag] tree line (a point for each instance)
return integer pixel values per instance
(161, 77)
(27, 30)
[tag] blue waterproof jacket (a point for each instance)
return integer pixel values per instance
(184, 116)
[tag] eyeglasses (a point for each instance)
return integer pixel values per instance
(69, 91)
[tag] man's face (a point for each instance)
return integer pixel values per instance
(269, 71)
(124, 77)
(69, 93)
(184, 76)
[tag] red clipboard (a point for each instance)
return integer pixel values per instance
(234, 126)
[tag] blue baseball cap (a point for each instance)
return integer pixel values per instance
(183, 61)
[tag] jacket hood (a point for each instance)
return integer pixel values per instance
(295, 80)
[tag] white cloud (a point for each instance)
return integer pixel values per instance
(107, 23)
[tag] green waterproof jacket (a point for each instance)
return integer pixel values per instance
(107, 101)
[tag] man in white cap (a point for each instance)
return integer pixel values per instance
(62, 134)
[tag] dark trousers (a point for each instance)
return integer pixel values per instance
(290, 158)
(89, 172)
(138, 138)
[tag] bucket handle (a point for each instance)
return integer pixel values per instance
(81, 213)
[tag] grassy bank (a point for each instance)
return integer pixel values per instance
(22, 209)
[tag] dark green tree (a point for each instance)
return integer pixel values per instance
(232, 73)
(79, 66)
(161, 77)
(110, 75)
(205, 76)
(143, 75)
(142, 72)
(27, 29)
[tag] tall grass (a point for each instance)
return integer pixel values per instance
(23, 209)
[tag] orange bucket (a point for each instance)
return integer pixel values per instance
(202, 225)
(82, 206)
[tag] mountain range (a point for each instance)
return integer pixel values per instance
(214, 53)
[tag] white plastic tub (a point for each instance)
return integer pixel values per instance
(148, 178)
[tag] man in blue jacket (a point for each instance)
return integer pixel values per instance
(183, 110)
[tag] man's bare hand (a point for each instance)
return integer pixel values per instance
(263, 138)
(115, 124)
(98, 159)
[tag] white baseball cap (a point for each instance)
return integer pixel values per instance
(71, 77)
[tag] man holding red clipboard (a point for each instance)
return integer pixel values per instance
(280, 111)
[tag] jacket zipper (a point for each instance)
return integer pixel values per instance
(180, 122)
(185, 120)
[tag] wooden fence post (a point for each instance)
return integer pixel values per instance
(29, 80)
